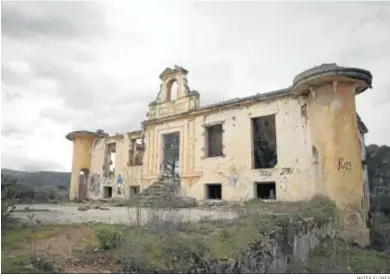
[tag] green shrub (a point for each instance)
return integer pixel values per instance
(380, 232)
(320, 207)
(108, 237)
(6, 210)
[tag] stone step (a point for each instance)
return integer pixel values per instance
(158, 192)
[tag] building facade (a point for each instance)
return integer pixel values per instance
(286, 145)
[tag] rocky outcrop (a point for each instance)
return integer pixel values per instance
(274, 252)
(271, 253)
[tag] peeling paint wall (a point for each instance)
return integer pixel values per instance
(124, 176)
(366, 186)
(334, 125)
(293, 173)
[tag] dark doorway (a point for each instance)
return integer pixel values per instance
(83, 184)
(214, 191)
(107, 192)
(264, 142)
(134, 190)
(171, 155)
(266, 190)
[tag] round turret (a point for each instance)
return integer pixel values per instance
(82, 149)
(328, 73)
(84, 133)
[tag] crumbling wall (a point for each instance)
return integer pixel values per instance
(123, 176)
(293, 174)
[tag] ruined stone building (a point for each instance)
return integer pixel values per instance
(286, 145)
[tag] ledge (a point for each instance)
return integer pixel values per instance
(80, 133)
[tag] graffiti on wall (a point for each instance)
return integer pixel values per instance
(97, 181)
(285, 171)
(94, 185)
(119, 183)
(233, 180)
(344, 166)
(266, 173)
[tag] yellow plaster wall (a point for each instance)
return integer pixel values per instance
(293, 144)
(81, 159)
(332, 115)
(131, 175)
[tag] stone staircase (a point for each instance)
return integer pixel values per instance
(161, 193)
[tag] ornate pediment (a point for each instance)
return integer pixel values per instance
(166, 104)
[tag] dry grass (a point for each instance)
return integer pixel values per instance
(173, 245)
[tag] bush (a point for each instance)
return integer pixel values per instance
(6, 210)
(380, 232)
(109, 237)
(320, 207)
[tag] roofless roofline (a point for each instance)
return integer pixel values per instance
(315, 75)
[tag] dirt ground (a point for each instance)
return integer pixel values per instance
(59, 245)
(60, 234)
(69, 214)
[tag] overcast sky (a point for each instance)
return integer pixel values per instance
(95, 65)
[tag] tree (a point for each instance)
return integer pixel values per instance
(171, 156)
(378, 166)
(7, 202)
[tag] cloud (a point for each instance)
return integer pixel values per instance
(27, 164)
(29, 20)
(11, 132)
(95, 65)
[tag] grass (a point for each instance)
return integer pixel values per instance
(21, 235)
(17, 256)
(336, 256)
(174, 246)
(318, 207)
(19, 264)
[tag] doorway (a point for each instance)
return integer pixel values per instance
(171, 155)
(83, 184)
(134, 190)
(107, 192)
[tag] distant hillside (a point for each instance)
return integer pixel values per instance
(378, 162)
(40, 178)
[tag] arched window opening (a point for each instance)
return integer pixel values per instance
(172, 89)
(83, 183)
(314, 155)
